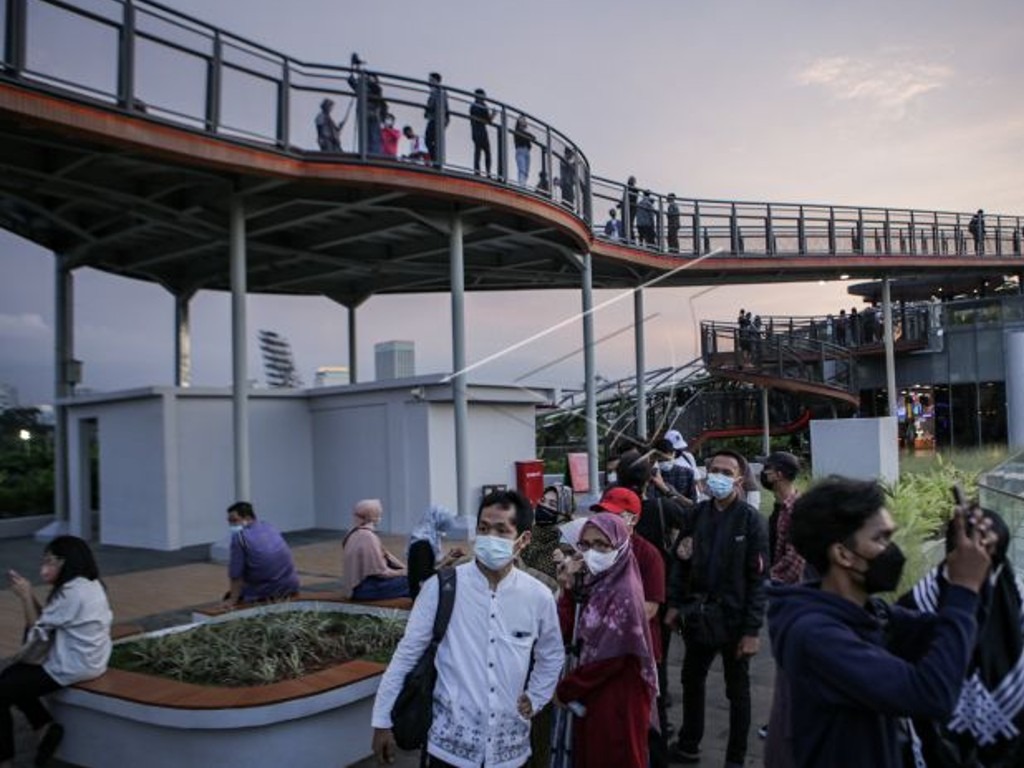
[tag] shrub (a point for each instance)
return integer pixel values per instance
(261, 649)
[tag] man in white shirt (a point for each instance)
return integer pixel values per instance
(486, 692)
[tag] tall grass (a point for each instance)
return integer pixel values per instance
(261, 649)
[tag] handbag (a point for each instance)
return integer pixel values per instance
(413, 710)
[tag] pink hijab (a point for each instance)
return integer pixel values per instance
(362, 550)
(613, 622)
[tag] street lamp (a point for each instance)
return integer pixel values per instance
(25, 436)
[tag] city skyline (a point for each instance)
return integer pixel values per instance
(836, 108)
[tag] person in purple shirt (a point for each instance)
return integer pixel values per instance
(261, 565)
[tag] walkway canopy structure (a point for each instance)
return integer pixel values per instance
(147, 143)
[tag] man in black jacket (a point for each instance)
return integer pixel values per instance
(717, 585)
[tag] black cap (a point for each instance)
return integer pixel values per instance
(785, 462)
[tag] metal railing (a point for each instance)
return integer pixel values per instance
(732, 347)
(118, 52)
(664, 223)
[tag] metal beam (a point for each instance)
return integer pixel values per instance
(460, 399)
(890, 354)
(589, 373)
(239, 361)
(182, 339)
(641, 373)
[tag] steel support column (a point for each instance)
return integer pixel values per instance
(641, 366)
(239, 360)
(589, 377)
(182, 340)
(460, 399)
(353, 349)
(63, 388)
(766, 423)
(890, 353)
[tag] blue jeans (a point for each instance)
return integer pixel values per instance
(381, 588)
(523, 164)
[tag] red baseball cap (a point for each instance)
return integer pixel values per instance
(618, 500)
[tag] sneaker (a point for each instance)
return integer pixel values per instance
(763, 731)
(48, 744)
(680, 754)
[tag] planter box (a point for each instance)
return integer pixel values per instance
(124, 718)
(18, 527)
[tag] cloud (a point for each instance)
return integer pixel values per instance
(889, 83)
(25, 326)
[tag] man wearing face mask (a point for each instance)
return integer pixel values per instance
(717, 586)
(854, 664)
(260, 565)
(486, 690)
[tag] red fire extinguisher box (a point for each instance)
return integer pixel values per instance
(530, 479)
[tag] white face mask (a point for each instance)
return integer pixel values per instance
(236, 528)
(494, 552)
(611, 477)
(720, 486)
(598, 562)
(666, 466)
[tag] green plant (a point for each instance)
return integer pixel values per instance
(262, 649)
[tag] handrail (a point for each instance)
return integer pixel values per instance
(144, 33)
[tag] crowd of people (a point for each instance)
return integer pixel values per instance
(378, 136)
(562, 620)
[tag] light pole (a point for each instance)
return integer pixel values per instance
(25, 437)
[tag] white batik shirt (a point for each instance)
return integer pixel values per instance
(482, 665)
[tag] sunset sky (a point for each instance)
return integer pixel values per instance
(909, 104)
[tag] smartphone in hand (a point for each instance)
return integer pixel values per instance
(961, 501)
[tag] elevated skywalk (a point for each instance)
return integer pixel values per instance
(114, 167)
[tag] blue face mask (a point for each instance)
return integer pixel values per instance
(493, 552)
(720, 486)
(236, 528)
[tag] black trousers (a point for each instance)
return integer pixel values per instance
(21, 685)
(482, 146)
(420, 564)
(696, 664)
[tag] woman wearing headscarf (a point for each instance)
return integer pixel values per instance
(615, 680)
(425, 555)
(987, 726)
(369, 571)
(555, 507)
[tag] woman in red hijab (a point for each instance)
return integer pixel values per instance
(615, 679)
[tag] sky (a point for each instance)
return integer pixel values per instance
(910, 104)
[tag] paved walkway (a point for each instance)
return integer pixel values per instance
(158, 589)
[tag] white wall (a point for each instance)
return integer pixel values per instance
(867, 449)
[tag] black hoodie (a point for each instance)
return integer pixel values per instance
(848, 675)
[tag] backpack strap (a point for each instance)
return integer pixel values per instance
(445, 603)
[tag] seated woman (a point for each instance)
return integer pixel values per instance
(369, 571)
(67, 641)
(425, 556)
(987, 727)
(615, 680)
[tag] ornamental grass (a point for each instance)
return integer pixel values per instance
(262, 649)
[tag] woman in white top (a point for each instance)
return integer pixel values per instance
(67, 641)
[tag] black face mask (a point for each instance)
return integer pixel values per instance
(768, 485)
(884, 570)
(545, 515)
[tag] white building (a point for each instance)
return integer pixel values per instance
(165, 456)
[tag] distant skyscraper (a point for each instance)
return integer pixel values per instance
(332, 376)
(8, 397)
(395, 359)
(278, 363)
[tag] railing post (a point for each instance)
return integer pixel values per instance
(548, 170)
(860, 231)
(696, 228)
(126, 58)
(831, 231)
(362, 117)
(441, 125)
(936, 247)
(734, 244)
(887, 234)
(213, 81)
(801, 234)
(957, 234)
(660, 229)
(588, 197)
(769, 232)
(284, 94)
(912, 235)
(999, 235)
(16, 28)
(503, 147)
